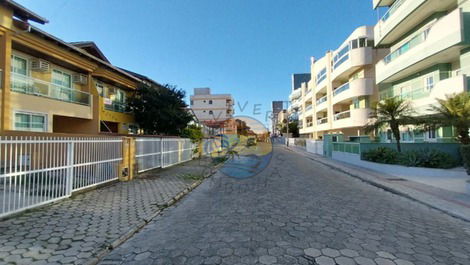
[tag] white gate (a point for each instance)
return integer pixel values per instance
(40, 170)
(155, 152)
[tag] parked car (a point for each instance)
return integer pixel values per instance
(250, 141)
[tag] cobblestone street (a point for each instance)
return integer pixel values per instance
(297, 211)
(75, 230)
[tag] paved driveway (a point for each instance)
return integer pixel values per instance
(296, 211)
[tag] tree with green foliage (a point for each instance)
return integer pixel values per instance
(193, 132)
(160, 109)
(293, 128)
(391, 113)
(453, 111)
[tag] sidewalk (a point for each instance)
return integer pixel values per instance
(81, 229)
(453, 203)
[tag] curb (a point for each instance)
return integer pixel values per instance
(100, 254)
(387, 188)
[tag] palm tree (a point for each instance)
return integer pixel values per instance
(392, 113)
(452, 111)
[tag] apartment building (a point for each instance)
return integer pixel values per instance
(342, 88)
(295, 99)
(429, 58)
(214, 110)
(49, 85)
(277, 107)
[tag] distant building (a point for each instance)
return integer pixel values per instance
(277, 107)
(213, 110)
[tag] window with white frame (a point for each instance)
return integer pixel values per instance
(19, 70)
(429, 83)
(29, 121)
(19, 65)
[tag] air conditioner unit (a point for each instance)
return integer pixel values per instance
(40, 65)
(80, 79)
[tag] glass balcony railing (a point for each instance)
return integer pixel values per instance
(341, 89)
(309, 107)
(392, 10)
(321, 100)
(415, 41)
(116, 106)
(322, 121)
(343, 115)
(31, 86)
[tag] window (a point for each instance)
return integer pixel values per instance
(431, 133)
(63, 82)
(211, 112)
(429, 83)
(389, 135)
(356, 103)
(354, 44)
(100, 88)
(362, 42)
(19, 65)
(27, 121)
(192, 102)
(210, 101)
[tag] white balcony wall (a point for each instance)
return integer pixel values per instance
(357, 88)
(358, 57)
(358, 118)
(446, 87)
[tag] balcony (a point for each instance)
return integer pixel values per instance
(31, 86)
(425, 98)
(321, 103)
(115, 106)
(350, 62)
(322, 121)
(356, 88)
(308, 108)
(295, 94)
(351, 118)
(439, 42)
(322, 124)
(403, 15)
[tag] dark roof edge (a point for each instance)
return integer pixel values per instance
(24, 13)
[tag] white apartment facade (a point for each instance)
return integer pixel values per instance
(211, 108)
(295, 97)
(429, 56)
(338, 97)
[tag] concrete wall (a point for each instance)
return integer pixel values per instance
(315, 147)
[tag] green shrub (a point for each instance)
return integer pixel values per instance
(381, 155)
(429, 158)
(465, 151)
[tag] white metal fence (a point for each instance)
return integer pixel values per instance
(157, 152)
(39, 170)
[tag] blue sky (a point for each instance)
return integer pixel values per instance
(248, 48)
